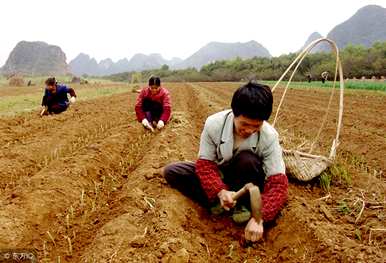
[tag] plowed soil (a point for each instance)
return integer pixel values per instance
(86, 185)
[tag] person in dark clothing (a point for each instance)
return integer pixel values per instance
(55, 99)
(309, 78)
(237, 146)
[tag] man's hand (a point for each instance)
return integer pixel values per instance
(226, 199)
(147, 125)
(72, 100)
(254, 230)
(160, 124)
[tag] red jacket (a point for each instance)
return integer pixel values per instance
(162, 97)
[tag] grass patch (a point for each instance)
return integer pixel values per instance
(358, 234)
(341, 173)
(343, 207)
(39, 80)
(17, 104)
(92, 93)
(11, 105)
(336, 174)
(363, 85)
(325, 181)
(3, 81)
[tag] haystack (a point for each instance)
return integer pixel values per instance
(75, 80)
(16, 81)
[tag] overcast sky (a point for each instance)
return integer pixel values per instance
(173, 28)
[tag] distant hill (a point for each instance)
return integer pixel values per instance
(365, 27)
(314, 36)
(223, 51)
(84, 64)
(106, 64)
(144, 62)
(36, 58)
(121, 65)
(174, 61)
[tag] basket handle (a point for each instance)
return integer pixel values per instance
(338, 68)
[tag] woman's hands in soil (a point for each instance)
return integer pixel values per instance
(254, 230)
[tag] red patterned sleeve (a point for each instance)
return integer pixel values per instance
(138, 105)
(274, 196)
(72, 92)
(210, 179)
(166, 105)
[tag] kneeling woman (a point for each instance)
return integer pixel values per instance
(153, 105)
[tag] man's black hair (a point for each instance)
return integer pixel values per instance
(154, 81)
(253, 100)
(51, 81)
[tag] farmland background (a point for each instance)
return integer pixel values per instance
(87, 185)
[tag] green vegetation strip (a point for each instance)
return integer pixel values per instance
(23, 103)
(39, 80)
(365, 85)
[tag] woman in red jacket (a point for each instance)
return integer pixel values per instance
(153, 106)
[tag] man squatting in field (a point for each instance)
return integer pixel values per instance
(55, 98)
(153, 105)
(237, 147)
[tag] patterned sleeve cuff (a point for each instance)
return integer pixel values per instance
(274, 196)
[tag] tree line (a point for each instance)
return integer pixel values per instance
(357, 61)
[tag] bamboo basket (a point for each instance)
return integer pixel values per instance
(305, 166)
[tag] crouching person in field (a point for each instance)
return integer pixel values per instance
(237, 147)
(55, 99)
(153, 105)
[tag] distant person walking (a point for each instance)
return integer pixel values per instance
(309, 78)
(153, 105)
(324, 76)
(55, 99)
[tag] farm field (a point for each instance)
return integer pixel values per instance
(86, 185)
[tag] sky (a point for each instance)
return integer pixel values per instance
(119, 29)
